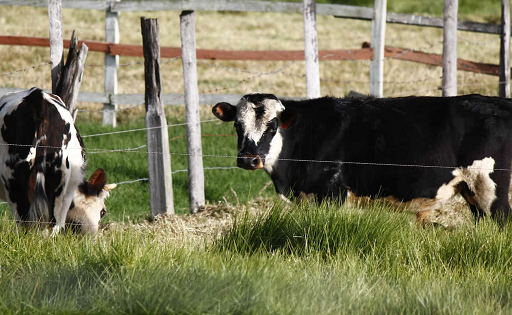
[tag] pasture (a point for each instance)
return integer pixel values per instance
(247, 252)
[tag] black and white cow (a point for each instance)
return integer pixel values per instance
(408, 148)
(42, 164)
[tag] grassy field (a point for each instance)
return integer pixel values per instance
(304, 260)
(246, 252)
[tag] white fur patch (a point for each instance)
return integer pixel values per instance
(276, 146)
(255, 127)
(477, 177)
(87, 210)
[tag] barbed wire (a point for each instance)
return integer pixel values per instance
(15, 72)
(134, 150)
(145, 129)
(109, 110)
(133, 63)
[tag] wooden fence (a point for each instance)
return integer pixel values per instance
(310, 9)
(377, 15)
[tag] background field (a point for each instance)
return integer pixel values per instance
(247, 252)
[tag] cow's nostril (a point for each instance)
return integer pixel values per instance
(255, 162)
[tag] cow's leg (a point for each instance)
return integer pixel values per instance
(469, 196)
(19, 202)
(56, 180)
(71, 180)
(65, 202)
(500, 208)
(59, 215)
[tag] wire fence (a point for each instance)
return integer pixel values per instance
(250, 76)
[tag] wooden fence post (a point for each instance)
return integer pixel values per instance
(111, 65)
(505, 49)
(159, 159)
(377, 44)
(56, 42)
(450, 47)
(195, 152)
(311, 50)
(71, 74)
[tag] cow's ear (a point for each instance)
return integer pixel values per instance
(224, 111)
(97, 181)
(287, 118)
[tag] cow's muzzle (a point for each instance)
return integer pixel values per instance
(249, 162)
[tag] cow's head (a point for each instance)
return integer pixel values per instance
(258, 119)
(88, 205)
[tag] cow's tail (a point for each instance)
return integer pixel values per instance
(39, 211)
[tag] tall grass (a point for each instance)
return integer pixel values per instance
(291, 260)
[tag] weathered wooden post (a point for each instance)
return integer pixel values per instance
(71, 74)
(159, 159)
(450, 47)
(111, 65)
(56, 43)
(195, 152)
(505, 49)
(377, 44)
(311, 50)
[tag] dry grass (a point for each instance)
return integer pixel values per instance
(258, 31)
(201, 228)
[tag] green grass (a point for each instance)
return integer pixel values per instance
(301, 260)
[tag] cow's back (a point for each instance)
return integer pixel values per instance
(405, 147)
(37, 134)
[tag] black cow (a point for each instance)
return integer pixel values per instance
(407, 148)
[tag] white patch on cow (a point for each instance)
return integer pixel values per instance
(276, 146)
(255, 127)
(87, 210)
(447, 191)
(477, 177)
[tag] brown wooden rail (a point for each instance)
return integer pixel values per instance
(364, 53)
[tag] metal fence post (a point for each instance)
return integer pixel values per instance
(195, 152)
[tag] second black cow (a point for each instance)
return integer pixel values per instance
(407, 148)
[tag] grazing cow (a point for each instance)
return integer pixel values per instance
(42, 164)
(425, 148)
